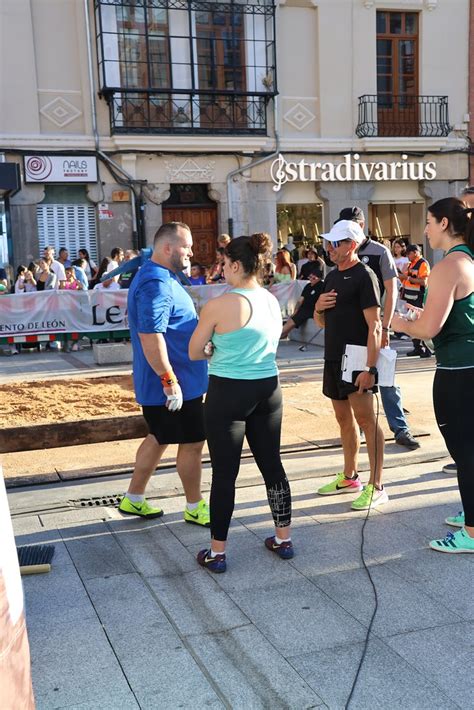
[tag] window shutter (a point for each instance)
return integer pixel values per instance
(70, 226)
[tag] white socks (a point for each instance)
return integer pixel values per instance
(135, 498)
(278, 541)
(192, 506)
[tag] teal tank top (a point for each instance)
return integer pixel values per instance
(454, 344)
(248, 353)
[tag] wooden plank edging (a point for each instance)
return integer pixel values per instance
(88, 431)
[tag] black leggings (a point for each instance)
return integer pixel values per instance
(234, 408)
(453, 397)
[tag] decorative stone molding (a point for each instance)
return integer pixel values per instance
(401, 4)
(95, 193)
(299, 3)
(29, 195)
(191, 170)
(60, 112)
(217, 192)
(157, 193)
(299, 116)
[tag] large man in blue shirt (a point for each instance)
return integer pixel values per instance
(168, 385)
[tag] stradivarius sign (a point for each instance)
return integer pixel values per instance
(350, 169)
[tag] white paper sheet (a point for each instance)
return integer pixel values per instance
(355, 358)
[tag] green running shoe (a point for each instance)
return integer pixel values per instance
(456, 521)
(144, 509)
(459, 541)
(341, 484)
(198, 516)
(370, 497)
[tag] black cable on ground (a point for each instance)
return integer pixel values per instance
(367, 569)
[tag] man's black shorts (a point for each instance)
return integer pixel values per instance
(183, 427)
(334, 386)
(301, 317)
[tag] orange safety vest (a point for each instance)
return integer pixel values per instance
(414, 290)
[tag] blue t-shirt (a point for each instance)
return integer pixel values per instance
(198, 281)
(80, 275)
(158, 303)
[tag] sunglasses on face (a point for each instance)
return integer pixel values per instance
(336, 244)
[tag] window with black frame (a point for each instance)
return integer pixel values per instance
(171, 65)
(144, 62)
(221, 66)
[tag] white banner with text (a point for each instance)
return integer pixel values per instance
(97, 311)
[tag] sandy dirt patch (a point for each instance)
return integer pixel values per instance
(44, 402)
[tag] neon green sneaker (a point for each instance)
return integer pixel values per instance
(144, 510)
(459, 541)
(341, 484)
(456, 521)
(198, 516)
(370, 497)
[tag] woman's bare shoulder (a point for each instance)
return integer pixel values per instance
(221, 302)
(451, 263)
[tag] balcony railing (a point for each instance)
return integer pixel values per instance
(187, 112)
(386, 115)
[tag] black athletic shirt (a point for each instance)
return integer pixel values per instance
(357, 288)
(310, 295)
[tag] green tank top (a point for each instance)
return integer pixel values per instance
(248, 353)
(454, 344)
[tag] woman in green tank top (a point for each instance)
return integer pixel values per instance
(244, 396)
(448, 318)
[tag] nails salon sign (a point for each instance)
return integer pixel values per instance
(60, 168)
(349, 170)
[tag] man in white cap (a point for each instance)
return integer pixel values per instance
(380, 260)
(349, 311)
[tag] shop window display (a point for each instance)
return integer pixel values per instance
(302, 222)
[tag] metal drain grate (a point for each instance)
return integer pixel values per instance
(107, 501)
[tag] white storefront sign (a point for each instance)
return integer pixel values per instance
(64, 312)
(350, 169)
(60, 168)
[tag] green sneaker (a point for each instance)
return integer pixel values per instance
(198, 516)
(370, 497)
(456, 521)
(341, 484)
(144, 510)
(459, 541)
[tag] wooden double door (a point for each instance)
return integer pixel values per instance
(203, 224)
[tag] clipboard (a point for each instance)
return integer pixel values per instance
(355, 358)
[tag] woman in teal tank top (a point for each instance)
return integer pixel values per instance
(239, 332)
(448, 318)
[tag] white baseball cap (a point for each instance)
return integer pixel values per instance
(345, 229)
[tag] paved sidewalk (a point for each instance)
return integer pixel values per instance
(127, 619)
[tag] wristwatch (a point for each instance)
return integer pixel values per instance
(371, 370)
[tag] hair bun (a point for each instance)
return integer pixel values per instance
(261, 243)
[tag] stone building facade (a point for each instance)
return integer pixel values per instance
(234, 116)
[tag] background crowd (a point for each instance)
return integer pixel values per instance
(62, 272)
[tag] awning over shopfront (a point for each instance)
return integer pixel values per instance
(10, 179)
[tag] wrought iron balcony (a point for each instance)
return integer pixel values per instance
(385, 115)
(187, 112)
